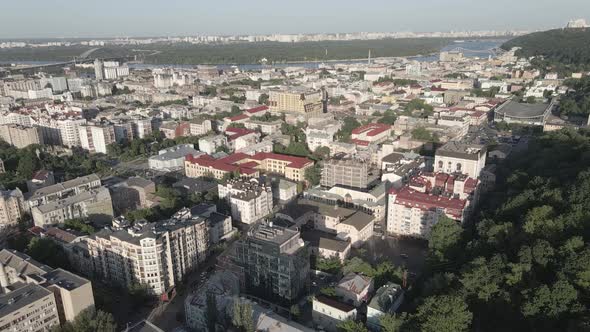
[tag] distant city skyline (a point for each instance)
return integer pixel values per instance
(134, 18)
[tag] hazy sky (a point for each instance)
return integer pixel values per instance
(105, 18)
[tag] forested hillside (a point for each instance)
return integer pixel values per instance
(567, 50)
(525, 265)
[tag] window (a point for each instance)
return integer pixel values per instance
(440, 164)
(458, 167)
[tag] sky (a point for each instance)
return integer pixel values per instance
(139, 18)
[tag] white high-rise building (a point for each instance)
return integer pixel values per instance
(249, 201)
(96, 138)
(98, 69)
(68, 128)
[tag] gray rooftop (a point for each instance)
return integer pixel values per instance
(65, 279)
(179, 151)
(358, 220)
(385, 297)
(23, 264)
(275, 234)
(334, 245)
(21, 298)
(457, 149)
(65, 185)
(100, 194)
(522, 110)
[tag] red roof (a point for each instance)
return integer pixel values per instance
(371, 129)
(360, 142)
(238, 117)
(224, 164)
(438, 89)
(295, 162)
(233, 132)
(257, 109)
(426, 202)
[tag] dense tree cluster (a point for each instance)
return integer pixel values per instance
(21, 164)
(562, 50)
(577, 101)
(525, 266)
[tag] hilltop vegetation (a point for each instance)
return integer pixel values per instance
(563, 50)
(525, 264)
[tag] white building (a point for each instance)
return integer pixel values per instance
(172, 158)
(249, 200)
(328, 313)
(69, 132)
(96, 138)
(210, 144)
(456, 157)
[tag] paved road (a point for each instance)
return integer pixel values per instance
(170, 317)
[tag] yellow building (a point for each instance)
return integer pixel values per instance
(308, 102)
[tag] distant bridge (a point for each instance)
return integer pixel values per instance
(492, 50)
(32, 69)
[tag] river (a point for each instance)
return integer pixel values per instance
(471, 48)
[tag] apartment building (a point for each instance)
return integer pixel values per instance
(12, 207)
(61, 190)
(156, 254)
(36, 297)
(69, 132)
(347, 172)
(142, 128)
(273, 259)
(249, 200)
(371, 133)
(211, 144)
(200, 127)
(303, 102)
(96, 137)
(457, 157)
(20, 136)
(94, 204)
(415, 208)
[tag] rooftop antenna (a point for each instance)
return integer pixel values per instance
(369, 57)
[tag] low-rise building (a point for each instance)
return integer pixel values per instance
(94, 204)
(211, 144)
(334, 248)
(173, 158)
(371, 133)
(354, 289)
(62, 190)
(328, 312)
(387, 299)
